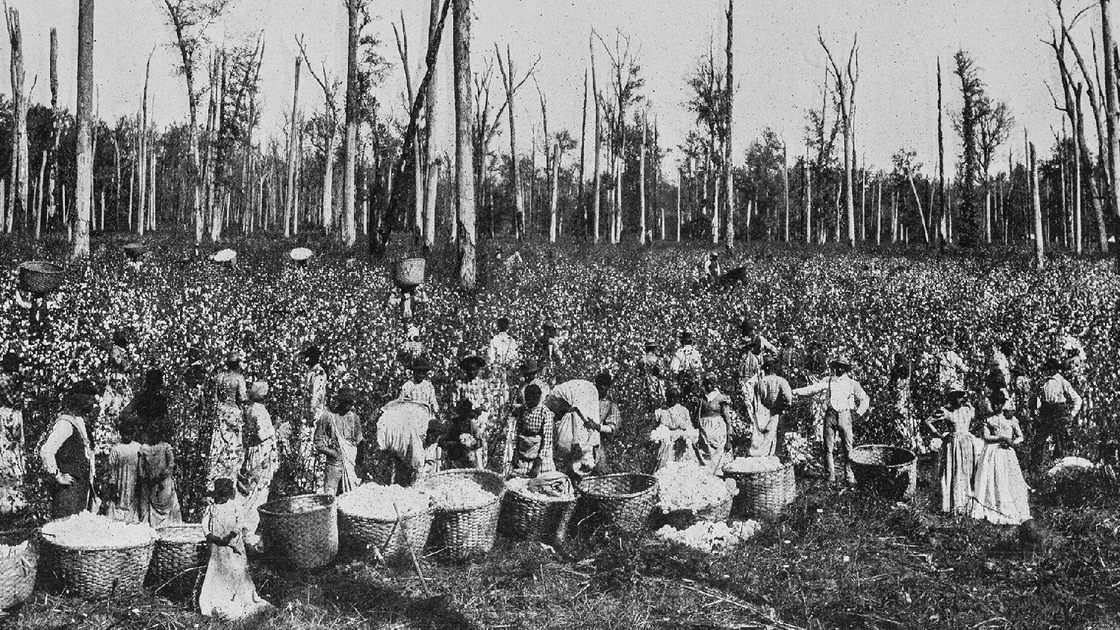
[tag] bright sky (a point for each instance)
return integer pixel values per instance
(778, 62)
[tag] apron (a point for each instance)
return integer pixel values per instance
(348, 456)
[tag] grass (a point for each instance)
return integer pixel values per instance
(837, 558)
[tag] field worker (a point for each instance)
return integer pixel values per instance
(408, 439)
(227, 591)
(715, 426)
(752, 336)
(535, 436)
(654, 367)
(709, 268)
(412, 349)
(575, 405)
(958, 452)
(529, 372)
(1058, 405)
(789, 357)
(231, 393)
(117, 395)
(950, 366)
(550, 350)
(686, 364)
(67, 453)
(610, 419)
(675, 437)
(419, 388)
(999, 365)
(314, 401)
(815, 368)
(338, 436)
(898, 388)
(1071, 352)
(472, 387)
(13, 461)
(504, 351)
(845, 397)
(465, 442)
(261, 458)
(774, 397)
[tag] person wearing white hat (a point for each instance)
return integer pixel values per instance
(845, 397)
(226, 448)
(412, 348)
(261, 457)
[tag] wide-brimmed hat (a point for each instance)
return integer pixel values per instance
(1052, 365)
(770, 362)
(529, 367)
(235, 355)
(604, 379)
(685, 334)
(472, 363)
(420, 364)
(84, 387)
(311, 352)
(465, 406)
(651, 343)
(956, 393)
(841, 361)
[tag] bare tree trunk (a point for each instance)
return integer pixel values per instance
(582, 203)
(515, 165)
(680, 184)
(430, 129)
(1112, 109)
(808, 200)
(53, 168)
(85, 123)
(1036, 208)
(464, 159)
(595, 209)
(1078, 181)
(554, 196)
(293, 132)
(642, 187)
(20, 160)
(728, 151)
(349, 190)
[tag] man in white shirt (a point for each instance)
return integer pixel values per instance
(504, 351)
(950, 366)
(845, 396)
(687, 359)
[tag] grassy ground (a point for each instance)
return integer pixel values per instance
(836, 559)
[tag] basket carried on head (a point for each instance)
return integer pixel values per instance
(40, 277)
(179, 560)
(887, 470)
(622, 500)
(392, 537)
(98, 572)
(763, 494)
(301, 531)
(18, 571)
(135, 250)
(532, 517)
(468, 531)
(409, 273)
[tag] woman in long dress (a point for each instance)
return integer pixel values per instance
(958, 453)
(117, 396)
(1000, 492)
(157, 499)
(715, 423)
(261, 460)
(906, 423)
(227, 592)
(231, 393)
(675, 436)
(13, 459)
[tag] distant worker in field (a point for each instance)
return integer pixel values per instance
(710, 270)
(1058, 405)
(610, 419)
(550, 350)
(1071, 352)
(412, 349)
(687, 365)
(950, 366)
(654, 367)
(773, 396)
(504, 351)
(845, 398)
(314, 401)
(753, 351)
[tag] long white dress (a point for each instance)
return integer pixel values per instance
(228, 592)
(999, 490)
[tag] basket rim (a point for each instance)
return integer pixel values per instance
(729, 499)
(403, 518)
(332, 501)
(467, 472)
(42, 266)
(96, 548)
(786, 465)
(160, 531)
(883, 447)
(529, 496)
(652, 488)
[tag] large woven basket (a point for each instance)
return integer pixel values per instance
(409, 272)
(623, 501)
(391, 538)
(301, 531)
(17, 572)
(38, 276)
(887, 470)
(763, 494)
(683, 519)
(97, 572)
(468, 532)
(526, 516)
(179, 560)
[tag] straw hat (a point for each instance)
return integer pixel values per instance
(842, 361)
(529, 367)
(235, 355)
(472, 363)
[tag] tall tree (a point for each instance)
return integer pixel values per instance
(18, 193)
(846, 91)
(327, 126)
(355, 12)
(55, 128)
(293, 134)
(1112, 112)
(84, 191)
(967, 123)
(431, 101)
(728, 152)
(940, 154)
(464, 159)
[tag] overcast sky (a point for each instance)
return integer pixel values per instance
(779, 64)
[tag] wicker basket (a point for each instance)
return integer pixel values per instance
(17, 572)
(763, 494)
(683, 519)
(468, 532)
(409, 272)
(887, 470)
(135, 250)
(526, 516)
(391, 538)
(301, 531)
(622, 500)
(37, 276)
(179, 560)
(97, 572)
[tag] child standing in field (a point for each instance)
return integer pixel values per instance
(899, 387)
(958, 453)
(1000, 492)
(123, 470)
(159, 502)
(227, 592)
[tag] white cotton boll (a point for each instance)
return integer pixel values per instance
(754, 464)
(383, 502)
(457, 493)
(90, 530)
(687, 486)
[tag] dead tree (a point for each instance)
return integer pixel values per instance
(511, 86)
(330, 87)
(464, 174)
(846, 87)
(83, 192)
(18, 199)
(293, 133)
(430, 102)
(728, 153)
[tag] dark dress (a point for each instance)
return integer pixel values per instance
(73, 459)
